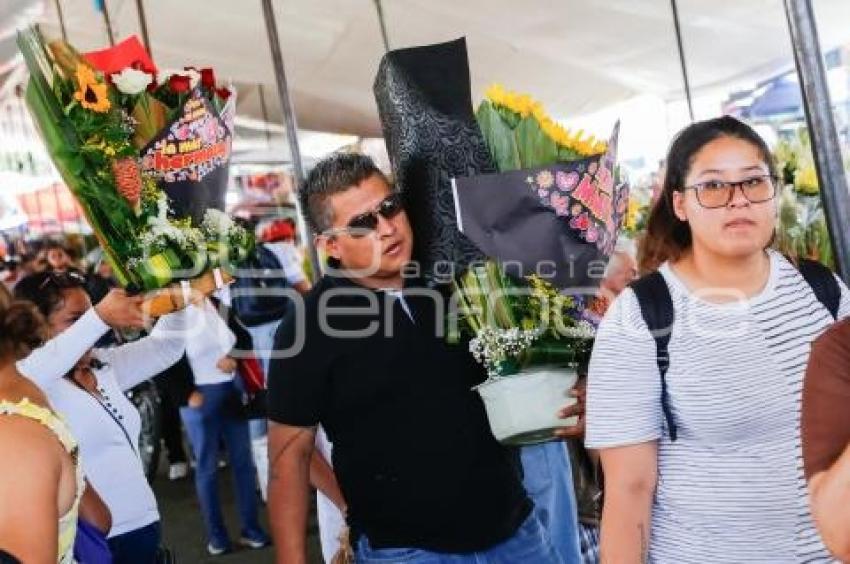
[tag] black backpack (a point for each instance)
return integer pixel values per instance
(656, 308)
(259, 294)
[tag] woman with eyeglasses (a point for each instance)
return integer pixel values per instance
(703, 463)
(87, 386)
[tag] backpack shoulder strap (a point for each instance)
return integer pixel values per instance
(656, 308)
(823, 283)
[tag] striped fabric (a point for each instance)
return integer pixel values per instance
(588, 536)
(731, 488)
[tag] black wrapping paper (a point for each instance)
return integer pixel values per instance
(559, 221)
(425, 106)
(190, 159)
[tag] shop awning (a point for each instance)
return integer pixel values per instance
(575, 55)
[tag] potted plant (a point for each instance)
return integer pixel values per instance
(531, 339)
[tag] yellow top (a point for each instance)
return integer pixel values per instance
(68, 522)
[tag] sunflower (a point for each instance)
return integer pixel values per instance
(524, 105)
(92, 94)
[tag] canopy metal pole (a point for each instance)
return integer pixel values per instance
(265, 111)
(681, 48)
(61, 17)
(383, 24)
(143, 26)
(819, 117)
(105, 12)
(291, 130)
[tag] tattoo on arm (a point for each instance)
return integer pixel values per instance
(644, 553)
(276, 456)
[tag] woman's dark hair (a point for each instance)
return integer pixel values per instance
(21, 325)
(667, 237)
(46, 290)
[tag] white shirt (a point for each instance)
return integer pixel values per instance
(290, 261)
(731, 488)
(330, 518)
(110, 461)
(208, 340)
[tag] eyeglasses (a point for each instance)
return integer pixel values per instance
(364, 224)
(63, 280)
(718, 194)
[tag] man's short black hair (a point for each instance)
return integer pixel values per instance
(334, 174)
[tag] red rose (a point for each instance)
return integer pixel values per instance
(223, 93)
(179, 83)
(208, 79)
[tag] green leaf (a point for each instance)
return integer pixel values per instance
(535, 147)
(499, 137)
(566, 155)
(151, 115)
(76, 165)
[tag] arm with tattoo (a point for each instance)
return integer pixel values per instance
(631, 473)
(290, 452)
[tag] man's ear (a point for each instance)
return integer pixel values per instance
(329, 245)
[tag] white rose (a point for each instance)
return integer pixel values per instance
(194, 77)
(131, 81)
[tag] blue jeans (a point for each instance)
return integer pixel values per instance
(548, 479)
(262, 337)
(136, 547)
(529, 545)
(217, 418)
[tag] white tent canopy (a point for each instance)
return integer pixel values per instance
(577, 56)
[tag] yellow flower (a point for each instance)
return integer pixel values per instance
(96, 142)
(632, 215)
(91, 94)
(806, 180)
(525, 106)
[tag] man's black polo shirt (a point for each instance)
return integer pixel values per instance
(412, 448)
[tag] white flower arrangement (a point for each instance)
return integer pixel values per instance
(131, 81)
(583, 330)
(217, 224)
(161, 231)
(492, 346)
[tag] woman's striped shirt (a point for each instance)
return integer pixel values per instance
(731, 488)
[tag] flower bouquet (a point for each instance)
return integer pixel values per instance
(553, 212)
(561, 203)
(146, 155)
(802, 231)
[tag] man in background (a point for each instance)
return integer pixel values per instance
(826, 436)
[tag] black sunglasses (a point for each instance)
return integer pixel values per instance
(361, 225)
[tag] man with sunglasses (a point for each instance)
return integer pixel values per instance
(423, 478)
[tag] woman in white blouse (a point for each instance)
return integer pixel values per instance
(87, 386)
